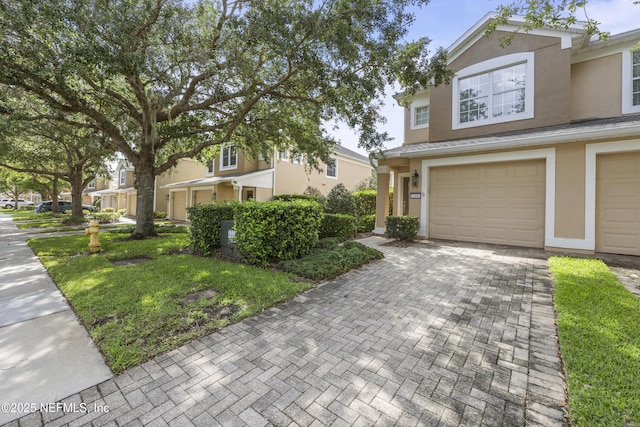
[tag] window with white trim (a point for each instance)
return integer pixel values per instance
(332, 168)
(123, 176)
(210, 167)
(630, 81)
(421, 116)
(296, 158)
(635, 79)
(494, 91)
(229, 157)
(284, 155)
(91, 186)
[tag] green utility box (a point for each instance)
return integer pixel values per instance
(228, 239)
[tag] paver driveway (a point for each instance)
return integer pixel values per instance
(435, 334)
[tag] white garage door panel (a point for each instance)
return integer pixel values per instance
(499, 203)
(618, 203)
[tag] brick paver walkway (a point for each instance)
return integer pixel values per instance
(435, 334)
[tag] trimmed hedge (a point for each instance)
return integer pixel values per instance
(339, 226)
(402, 227)
(106, 217)
(365, 202)
(268, 232)
(366, 223)
(204, 231)
(292, 197)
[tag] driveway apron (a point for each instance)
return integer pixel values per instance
(436, 334)
(45, 354)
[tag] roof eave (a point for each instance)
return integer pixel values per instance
(527, 141)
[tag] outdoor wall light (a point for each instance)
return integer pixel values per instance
(167, 197)
(213, 196)
(414, 178)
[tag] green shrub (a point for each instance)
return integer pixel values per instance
(339, 226)
(366, 223)
(204, 231)
(365, 202)
(268, 232)
(313, 191)
(340, 201)
(106, 217)
(402, 227)
(326, 243)
(159, 215)
(292, 197)
(122, 212)
(108, 210)
(331, 261)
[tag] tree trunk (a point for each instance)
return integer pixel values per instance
(144, 183)
(54, 195)
(76, 193)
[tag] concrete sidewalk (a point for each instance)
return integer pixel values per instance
(45, 354)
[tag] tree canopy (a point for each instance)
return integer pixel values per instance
(169, 79)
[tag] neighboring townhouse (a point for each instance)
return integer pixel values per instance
(120, 192)
(94, 189)
(234, 176)
(536, 144)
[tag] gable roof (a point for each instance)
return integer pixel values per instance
(476, 32)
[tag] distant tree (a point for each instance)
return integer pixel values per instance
(15, 184)
(168, 79)
(35, 142)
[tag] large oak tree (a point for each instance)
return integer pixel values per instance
(165, 79)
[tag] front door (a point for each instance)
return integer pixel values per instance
(405, 195)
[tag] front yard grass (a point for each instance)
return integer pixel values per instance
(135, 312)
(599, 330)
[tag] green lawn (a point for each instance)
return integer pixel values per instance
(599, 329)
(137, 311)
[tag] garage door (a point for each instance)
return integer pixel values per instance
(618, 203)
(179, 211)
(501, 203)
(202, 197)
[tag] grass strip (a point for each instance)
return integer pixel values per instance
(135, 312)
(599, 330)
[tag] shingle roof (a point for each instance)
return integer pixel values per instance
(350, 153)
(628, 125)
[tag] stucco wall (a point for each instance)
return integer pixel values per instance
(552, 83)
(596, 88)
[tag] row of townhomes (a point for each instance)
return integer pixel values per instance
(230, 176)
(536, 144)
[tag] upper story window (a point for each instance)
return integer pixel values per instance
(636, 79)
(284, 155)
(421, 117)
(91, 186)
(494, 91)
(296, 158)
(630, 81)
(332, 168)
(229, 157)
(210, 167)
(123, 176)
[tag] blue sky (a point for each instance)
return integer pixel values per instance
(443, 21)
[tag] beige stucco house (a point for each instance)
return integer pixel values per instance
(234, 176)
(119, 193)
(536, 144)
